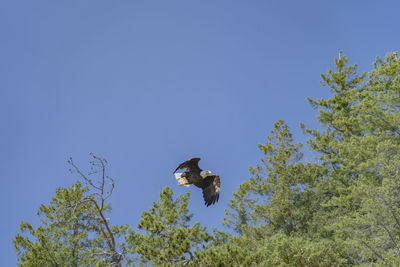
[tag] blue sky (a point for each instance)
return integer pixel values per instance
(149, 84)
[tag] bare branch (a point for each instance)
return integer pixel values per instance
(100, 195)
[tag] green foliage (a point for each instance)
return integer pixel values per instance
(167, 238)
(280, 193)
(63, 239)
(342, 209)
(74, 230)
(361, 122)
(375, 230)
(349, 197)
(253, 249)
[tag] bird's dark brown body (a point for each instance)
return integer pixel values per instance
(210, 184)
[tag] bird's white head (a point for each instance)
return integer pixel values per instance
(204, 174)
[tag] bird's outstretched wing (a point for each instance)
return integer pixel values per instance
(191, 164)
(211, 187)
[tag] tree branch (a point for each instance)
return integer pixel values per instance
(98, 166)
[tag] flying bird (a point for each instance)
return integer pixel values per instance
(210, 184)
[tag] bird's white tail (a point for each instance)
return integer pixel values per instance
(181, 179)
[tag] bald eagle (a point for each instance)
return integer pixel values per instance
(203, 179)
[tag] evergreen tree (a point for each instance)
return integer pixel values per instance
(342, 209)
(274, 211)
(359, 121)
(280, 194)
(165, 237)
(74, 230)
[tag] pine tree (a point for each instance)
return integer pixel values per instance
(165, 237)
(74, 230)
(360, 128)
(341, 209)
(280, 194)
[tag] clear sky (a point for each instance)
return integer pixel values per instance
(149, 84)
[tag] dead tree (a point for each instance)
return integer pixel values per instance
(101, 187)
